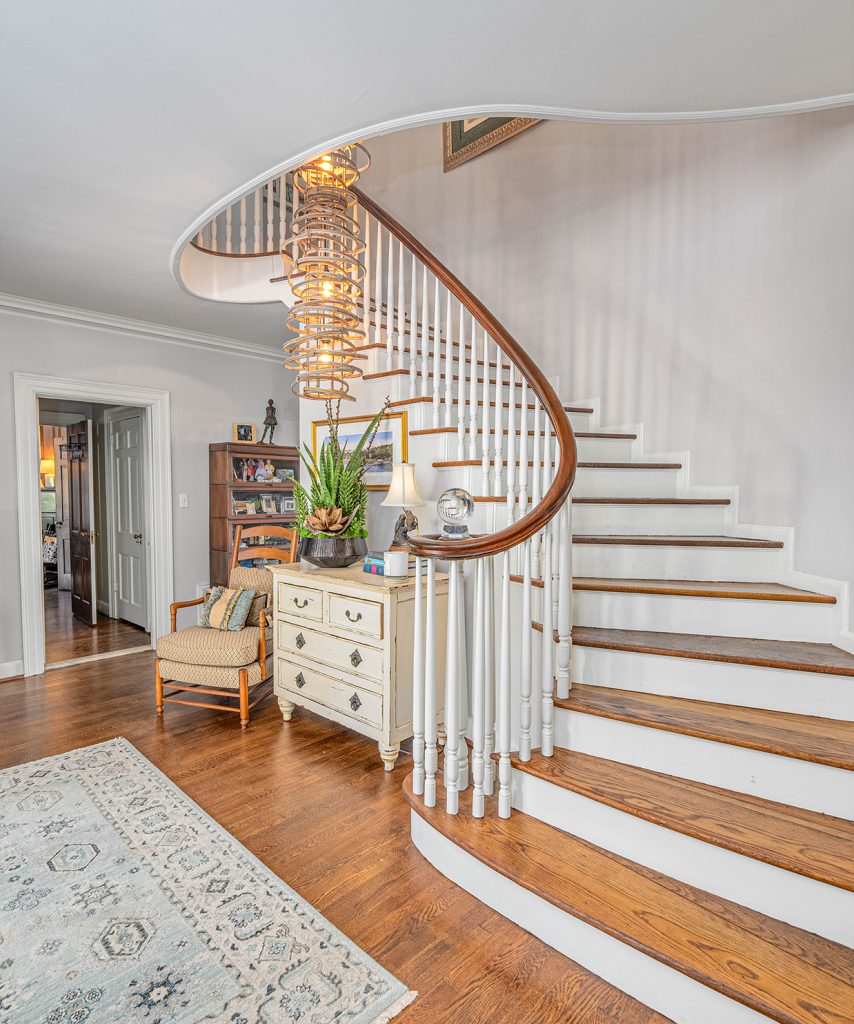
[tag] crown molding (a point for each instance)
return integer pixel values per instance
(24, 306)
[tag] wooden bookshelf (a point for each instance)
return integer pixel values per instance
(227, 459)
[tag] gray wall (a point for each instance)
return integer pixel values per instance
(209, 390)
(695, 277)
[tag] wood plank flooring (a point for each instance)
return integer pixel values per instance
(815, 845)
(788, 974)
(311, 800)
(67, 638)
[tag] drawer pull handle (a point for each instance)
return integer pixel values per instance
(355, 703)
(356, 658)
(300, 680)
(353, 618)
(300, 641)
(303, 605)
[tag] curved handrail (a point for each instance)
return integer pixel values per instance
(234, 255)
(539, 516)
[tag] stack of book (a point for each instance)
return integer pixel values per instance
(374, 563)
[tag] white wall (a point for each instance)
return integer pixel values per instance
(209, 390)
(699, 278)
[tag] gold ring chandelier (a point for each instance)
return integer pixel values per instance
(326, 275)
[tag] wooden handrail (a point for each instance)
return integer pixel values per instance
(233, 255)
(556, 495)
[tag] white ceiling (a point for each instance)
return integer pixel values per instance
(121, 123)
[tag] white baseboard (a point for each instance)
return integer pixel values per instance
(9, 669)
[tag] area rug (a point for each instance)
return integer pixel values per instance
(122, 901)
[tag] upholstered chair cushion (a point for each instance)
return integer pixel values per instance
(225, 608)
(248, 577)
(212, 675)
(199, 645)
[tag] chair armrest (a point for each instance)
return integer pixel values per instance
(173, 609)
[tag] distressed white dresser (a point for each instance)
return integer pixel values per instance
(344, 648)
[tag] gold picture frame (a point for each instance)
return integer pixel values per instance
(396, 425)
(243, 433)
(464, 140)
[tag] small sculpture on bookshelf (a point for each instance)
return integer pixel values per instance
(270, 422)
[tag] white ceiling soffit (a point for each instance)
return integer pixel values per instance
(123, 123)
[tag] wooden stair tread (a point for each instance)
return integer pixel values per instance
(450, 463)
(798, 655)
(676, 540)
(787, 974)
(815, 845)
(819, 740)
(651, 501)
(695, 588)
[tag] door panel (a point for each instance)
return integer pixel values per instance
(63, 555)
(80, 506)
(129, 542)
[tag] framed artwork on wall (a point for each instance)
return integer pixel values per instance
(464, 140)
(390, 444)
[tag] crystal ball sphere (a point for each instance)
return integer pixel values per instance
(455, 506)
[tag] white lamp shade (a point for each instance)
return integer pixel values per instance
(403, 490)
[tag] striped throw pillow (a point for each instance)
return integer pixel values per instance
(227, 609)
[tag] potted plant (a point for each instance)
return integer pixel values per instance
(331, 512)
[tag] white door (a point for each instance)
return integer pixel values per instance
(127, 502)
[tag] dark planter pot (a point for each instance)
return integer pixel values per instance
(332, 552)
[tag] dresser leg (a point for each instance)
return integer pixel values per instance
(286, 708)
(389, 752)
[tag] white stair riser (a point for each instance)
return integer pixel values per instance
(711, 616)
(784, 895)
(678, 520)
(663, 562)
(798, 693)
(787, 780)
(668, 991)
(628, 483)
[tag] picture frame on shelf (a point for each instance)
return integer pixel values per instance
(268, 504)
(390, 444)
(243, 433)
(243, 508)
(289, 504)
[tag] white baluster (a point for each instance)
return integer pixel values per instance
(523, 451)
(271, 218)
(485, 435)
(564, 601)
(228, 215)
(461, 388)
(449, 363)
(243, 226)
(511, 446)
(498, 461)
(389, 302)
(504, 696)
(366, 282)
(283, 211)
(536, 493)
(413, 330)
(214, 245)
(463, 687)
(200, 238)
(473, 453)
(489, 675)
(378, 295)
(452, 692)
(431, 750)
(418, 711)
(256, 212)
(437, 354)
(425, 334)
(526, 666)
(546, 667)
(478, 693)
(401, 312)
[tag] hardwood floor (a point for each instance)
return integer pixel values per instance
(311, 800)
(67, 638)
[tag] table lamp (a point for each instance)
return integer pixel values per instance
(403, 493)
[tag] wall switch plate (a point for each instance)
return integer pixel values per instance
(183, 501)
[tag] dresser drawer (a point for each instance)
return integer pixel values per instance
(356, 615)
(304, 602)
(349, 655)
(352, 701)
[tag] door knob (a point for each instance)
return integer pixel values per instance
(138, 538)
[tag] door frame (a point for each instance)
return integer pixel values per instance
(110, 416)
(28, 389)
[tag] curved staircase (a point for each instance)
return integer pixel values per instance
(649, 759)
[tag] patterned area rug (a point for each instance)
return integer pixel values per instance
(122, 901)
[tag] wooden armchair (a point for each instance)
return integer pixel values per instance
(223, 663)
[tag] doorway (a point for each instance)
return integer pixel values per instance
(92, 486)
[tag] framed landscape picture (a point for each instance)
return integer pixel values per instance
(390, 444)
(464, 140)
